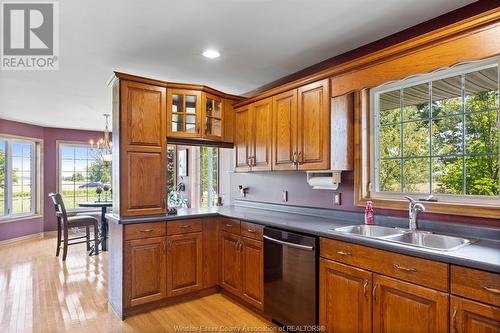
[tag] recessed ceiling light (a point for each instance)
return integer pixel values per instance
(211, 54)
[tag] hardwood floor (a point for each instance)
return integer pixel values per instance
(41, 293)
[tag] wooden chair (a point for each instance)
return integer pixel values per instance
(64, 223)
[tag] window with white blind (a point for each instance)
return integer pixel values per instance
(438, 135)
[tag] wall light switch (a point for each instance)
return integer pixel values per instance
(337, 199)
(285, 196)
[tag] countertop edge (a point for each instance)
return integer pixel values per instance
(371, 242)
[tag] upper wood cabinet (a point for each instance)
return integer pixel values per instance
(199, 114)
(289, 131)
(260, 138)
(213, 117)
(242, 138)
(184, 113)
(284, 144)
(253, 137)
(140, 127)
(313, 126)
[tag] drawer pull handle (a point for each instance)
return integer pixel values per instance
(344, 253)
(454, 318)
(374, 292)
(406, 269)
(251, 231)
(147, 230)
(185, 226)
(229, 225)
(491, 289)
(365, 289)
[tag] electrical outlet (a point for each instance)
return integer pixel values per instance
(337, 199)
(284, 196)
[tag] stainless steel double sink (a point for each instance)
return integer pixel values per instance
(418, 238)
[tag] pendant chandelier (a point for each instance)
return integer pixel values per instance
(103, 147)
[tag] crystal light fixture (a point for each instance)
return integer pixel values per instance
(102, 149)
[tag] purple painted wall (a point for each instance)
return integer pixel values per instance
(269, 186)
(50, 136)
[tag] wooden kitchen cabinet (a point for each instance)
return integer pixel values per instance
(313, 126)
(213, 117)
(284, 145)
(261, 135)
(242, 138)
(301, 128)
(345, 298)
(145, 273)
(139, 113)
(470, 316)
(184, 113)
(404, 307)
(230, 275)
(242, 261)
(253, 137)
(252, 268)
(185, 263)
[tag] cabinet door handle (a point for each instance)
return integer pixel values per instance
(374, 292)
(185, 226)
(365, 289)
(229, 225)
(344, 253)
(294, 158)
(301, 158)
(405, 269)
(491, 289)
(169, 244)
(251, 231)
(252, 160)
(454, 319)
(147, 230)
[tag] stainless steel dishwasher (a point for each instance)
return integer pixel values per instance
(290, 278)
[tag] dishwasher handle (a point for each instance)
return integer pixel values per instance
(297, 246)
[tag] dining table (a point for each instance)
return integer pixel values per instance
(103, 229)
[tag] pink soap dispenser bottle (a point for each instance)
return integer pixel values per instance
(369, 213)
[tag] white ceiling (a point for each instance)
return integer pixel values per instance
(259, 41)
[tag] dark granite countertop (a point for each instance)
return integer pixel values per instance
(481, 254)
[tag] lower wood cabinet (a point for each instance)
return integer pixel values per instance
(185, 263)
(252, 268)
(230, 274)
(242, 268)
(470, 316)
(405, 307)
(145, 274)
(345, 298)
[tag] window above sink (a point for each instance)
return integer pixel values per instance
(438, 134)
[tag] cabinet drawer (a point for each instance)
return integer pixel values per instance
(144, 230)
(230, 225)
(184, 226)
(252, 230)
(475, 284)
(425, 272)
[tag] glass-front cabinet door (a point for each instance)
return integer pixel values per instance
(184, 113)
(213, 117)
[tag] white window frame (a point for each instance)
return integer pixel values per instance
(374, 132)
(35, 170)
(59, 145)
